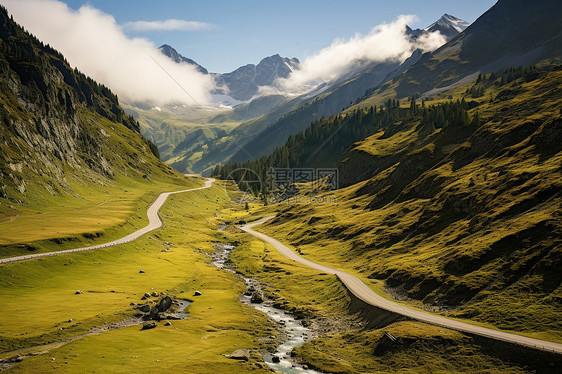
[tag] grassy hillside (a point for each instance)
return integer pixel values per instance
(343, 341)
(463, 217)
(73, 164)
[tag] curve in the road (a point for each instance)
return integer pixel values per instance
(154, 222)
(362, 291)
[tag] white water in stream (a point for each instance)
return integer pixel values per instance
(296, 333)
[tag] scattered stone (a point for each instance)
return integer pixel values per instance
(275, 359)
(148, 325)
(240, 354)
(169, 316)
(133, 303)
(70, 320)
(155, 294)
(257, 298)
(145, 296)
(197, 293)
(152, 315)
(78, 292)
(144, 308)
(168, 323)
(52, 359)
(141, 271)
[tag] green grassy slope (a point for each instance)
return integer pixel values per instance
(461, 220)
(73, 164)
(343, 343)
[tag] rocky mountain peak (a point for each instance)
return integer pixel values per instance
(448, 25)
(244, 82)
(169, 51)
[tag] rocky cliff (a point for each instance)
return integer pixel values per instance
(58, 126)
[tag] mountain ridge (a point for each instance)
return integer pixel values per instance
(328, 103)
(169, 51)
(523, 33)
(242, 83)
(59, 128)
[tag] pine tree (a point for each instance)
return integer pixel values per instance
(475, 120)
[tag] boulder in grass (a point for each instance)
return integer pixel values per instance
(141, 271)
(240, 354)
(78, 292)
(145, 296)
(197, 293)
(148, 325)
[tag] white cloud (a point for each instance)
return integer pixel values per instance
(93, 42)
(167, 25)
(386, 42)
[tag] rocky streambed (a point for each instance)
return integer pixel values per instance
(292, 329)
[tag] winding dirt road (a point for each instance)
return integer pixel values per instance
(154, 222)
(359, 289)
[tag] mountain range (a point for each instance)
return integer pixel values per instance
(267, 121)
(512, 33)
(459, 60)
(243, 83)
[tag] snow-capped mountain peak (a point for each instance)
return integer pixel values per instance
(448, 25)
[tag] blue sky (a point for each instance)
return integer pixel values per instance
(245, 31)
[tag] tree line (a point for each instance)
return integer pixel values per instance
(325, 140)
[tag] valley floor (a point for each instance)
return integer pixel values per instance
(42, 313)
